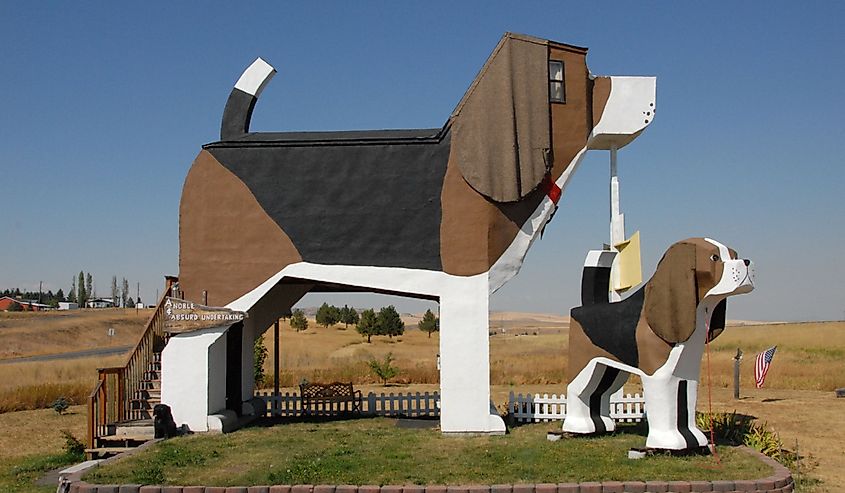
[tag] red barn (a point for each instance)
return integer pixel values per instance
(25, 305)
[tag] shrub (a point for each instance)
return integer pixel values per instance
(73, 446)
(383, 369)
(259, 356)
(739, 429)
(60, 405)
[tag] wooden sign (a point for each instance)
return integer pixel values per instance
(186, 316)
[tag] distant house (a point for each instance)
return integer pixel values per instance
(100, 303)
(6, 303)
(67, 305)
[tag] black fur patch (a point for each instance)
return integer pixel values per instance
(606, 381)
(359, 200)
(613, 326)
(595, 285)
(683, 416)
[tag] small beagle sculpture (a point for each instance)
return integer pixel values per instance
(658, 333)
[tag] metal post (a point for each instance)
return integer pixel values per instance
(617, 221)
(737, 359)
(276, 359)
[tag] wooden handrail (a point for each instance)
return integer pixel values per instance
(126, 379)
(93, 404)
(150, 326)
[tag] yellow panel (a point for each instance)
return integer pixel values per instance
(629, 263)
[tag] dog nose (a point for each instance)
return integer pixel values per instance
(746, 262)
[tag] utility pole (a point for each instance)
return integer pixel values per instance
(137, 296)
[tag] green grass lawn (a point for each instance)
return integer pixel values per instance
(18, 475)
(376, 451)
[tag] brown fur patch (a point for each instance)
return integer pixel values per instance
(601, 93)
(228, 245)
(653, 351)
(572, 120)
(475, 232)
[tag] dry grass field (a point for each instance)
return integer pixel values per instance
(532, 349)
(31, 385)
(524, 349)
(528, 354)
(36, 333)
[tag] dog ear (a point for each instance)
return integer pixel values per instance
(671, 295)
(500, 129)
(717, 320)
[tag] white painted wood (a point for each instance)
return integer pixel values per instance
(189, 364)
(543, 408)
(255, 77)
(629, 110)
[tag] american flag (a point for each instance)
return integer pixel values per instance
(761, 365)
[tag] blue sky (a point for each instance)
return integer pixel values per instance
(105, 105)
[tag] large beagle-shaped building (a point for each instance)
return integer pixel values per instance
(445, 214)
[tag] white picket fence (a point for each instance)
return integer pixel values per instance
(410, 405)
(536, 407)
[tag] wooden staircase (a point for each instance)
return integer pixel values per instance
(120, 408)
(148, 393)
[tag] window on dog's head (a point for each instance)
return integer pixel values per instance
(557, 90)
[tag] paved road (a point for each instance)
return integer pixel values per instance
(105, 351)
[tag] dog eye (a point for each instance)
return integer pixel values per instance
(714, 258)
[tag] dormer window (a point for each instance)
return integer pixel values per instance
(557, 91)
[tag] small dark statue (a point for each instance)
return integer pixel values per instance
(163, 422)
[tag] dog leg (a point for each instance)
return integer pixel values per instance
(686, 418)
(588, 399)
(464, 358)
(670, 410)
(604, 401)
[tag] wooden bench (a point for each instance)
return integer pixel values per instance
(329, 399)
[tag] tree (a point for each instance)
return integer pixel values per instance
(367, 324)
(327, 315)
(81, 293)
(429, 323)
(383, 370)
(259, 357)
(72, 295)
(89, 286)
(114, 291)
(130, 303)
(348, 316)
(124, 292)
(389, 322)
(298, 322)
(60, 295)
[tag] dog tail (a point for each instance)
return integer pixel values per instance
(595, 278)
(238, 112)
